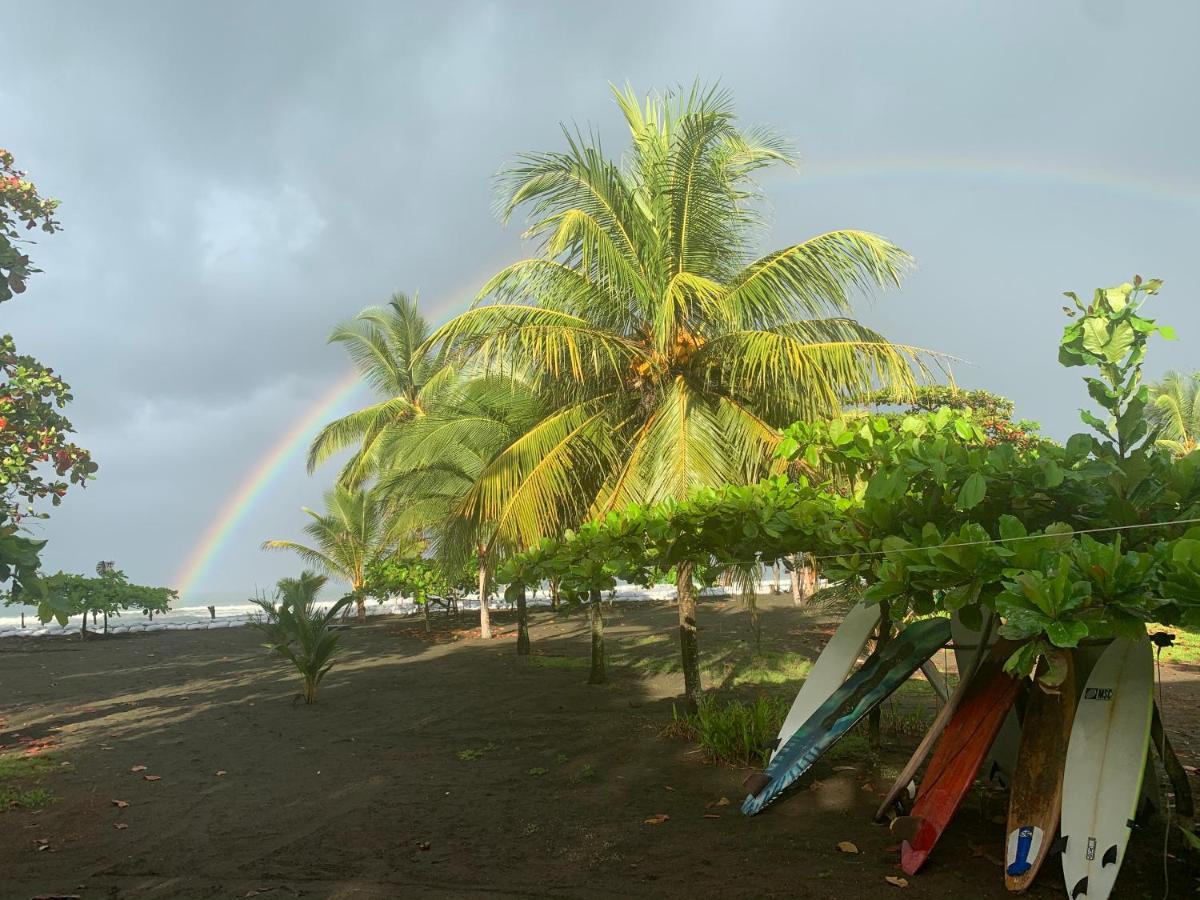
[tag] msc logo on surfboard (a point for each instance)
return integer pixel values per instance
(1098, 694)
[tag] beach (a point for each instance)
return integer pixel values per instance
(440, 765)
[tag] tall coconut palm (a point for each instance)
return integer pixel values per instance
(672, 353)
(384, 343)
(345, 539)
(1175, 409)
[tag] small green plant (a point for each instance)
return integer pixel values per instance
(536, 771)
(586, 773)
(298, 631)
(473, 754)
(732, 731)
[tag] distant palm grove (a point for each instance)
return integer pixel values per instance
(645, 348)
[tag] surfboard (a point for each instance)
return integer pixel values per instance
(1002, 757)
(1106, 760)
(959, 753)
(901, 785)
(1035, 802)
(834, 663)
(882, 672)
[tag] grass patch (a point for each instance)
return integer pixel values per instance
(732, 731)
(468, 755)
(16, 773)
(32, 798)
(559, 662)
(1186, 648)
(773, 668)
(21, 766)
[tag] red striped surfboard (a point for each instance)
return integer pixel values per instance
(959, 753)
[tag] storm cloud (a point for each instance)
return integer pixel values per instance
(236, 178)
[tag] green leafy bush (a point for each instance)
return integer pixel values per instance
(732, 731)
(300, 632)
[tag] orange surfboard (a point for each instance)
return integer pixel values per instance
(959, 753)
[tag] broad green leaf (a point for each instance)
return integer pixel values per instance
(972, 492)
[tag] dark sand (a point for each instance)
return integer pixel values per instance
(365, 793)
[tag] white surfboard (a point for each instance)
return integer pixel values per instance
(1106, 759)
(1003, 754)
(831, 668)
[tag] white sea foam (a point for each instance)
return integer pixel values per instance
(233, 615)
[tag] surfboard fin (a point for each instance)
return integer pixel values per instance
(1110, 856)
(771, 745)
(997, 774)
(1059, 845)
(906, 827)
(755, 783)
(1080, 887)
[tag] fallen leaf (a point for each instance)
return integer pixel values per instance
(138, 769)
(152, 777)
(868, 786)
(847, 847)
(657, 819)
(845, 769)
(1191, 770)
(120, 826)
(220, 772)
(424, 845)
(896, 880)
(668, 787)
(120, 804)
(711, 816)
(724, 801)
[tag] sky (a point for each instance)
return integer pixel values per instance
(236, 178)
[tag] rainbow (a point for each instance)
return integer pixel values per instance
(1161, 188)
(257, 480)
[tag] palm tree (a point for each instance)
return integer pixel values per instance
(300, 632)
(669, 354)
(346, 538)
(383, 342)
(450, 473)
(1175, 409)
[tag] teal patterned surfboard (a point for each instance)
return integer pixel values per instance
(880, 675)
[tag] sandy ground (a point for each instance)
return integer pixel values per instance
(445, 766)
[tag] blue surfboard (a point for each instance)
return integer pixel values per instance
(880, 675)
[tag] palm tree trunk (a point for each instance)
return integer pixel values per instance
(689, 647)
(597, 675)
(485, 617)
(522, 624)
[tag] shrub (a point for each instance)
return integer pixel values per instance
(732, 731)
(298, 631)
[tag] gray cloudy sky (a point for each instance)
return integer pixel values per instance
(237, 177)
